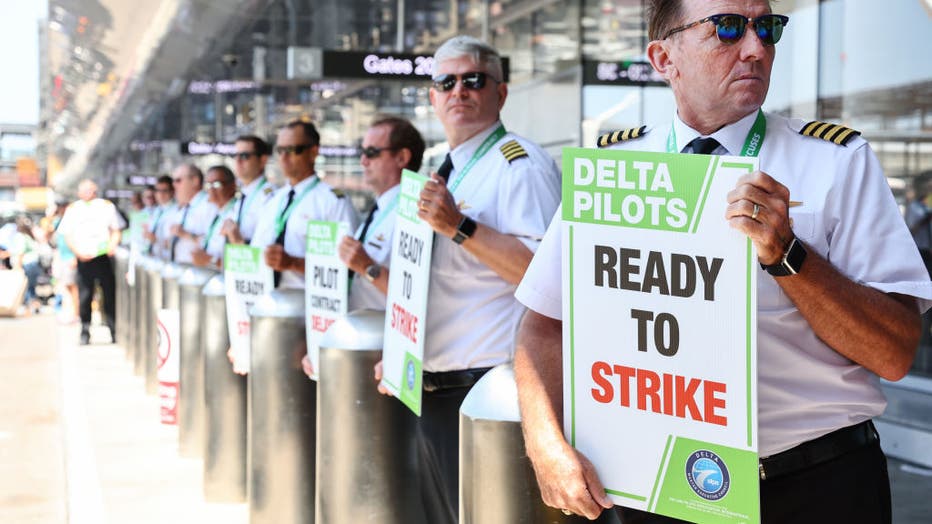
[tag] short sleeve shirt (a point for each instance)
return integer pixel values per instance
(320, 203)
(378, 245)
(472, 313)
(213, 241)
(849, 217)
(251, 206)
(193, 218)
(87, 225)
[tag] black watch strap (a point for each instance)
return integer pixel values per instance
(465, 230)
(790, 263)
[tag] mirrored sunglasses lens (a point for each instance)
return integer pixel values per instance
(730, 28)
(444, 82)
(474, 80)
(769, 28)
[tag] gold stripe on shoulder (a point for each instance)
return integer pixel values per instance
(512, 151)
(834, 133)
(621, 135)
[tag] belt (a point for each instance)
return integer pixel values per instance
(460, 378)
(819, 450)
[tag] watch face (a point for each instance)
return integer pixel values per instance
(373, 272)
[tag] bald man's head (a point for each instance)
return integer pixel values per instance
(87, 190)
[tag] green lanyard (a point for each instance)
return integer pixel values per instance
(284, 214)
(382, 214)
(752, 144)
(483, 149)
(216, 220)
(248, 200)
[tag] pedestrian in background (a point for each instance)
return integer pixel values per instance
(92, 229)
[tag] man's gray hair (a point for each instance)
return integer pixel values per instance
(481, 53)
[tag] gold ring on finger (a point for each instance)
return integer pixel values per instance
(566, 512)
(755, 212)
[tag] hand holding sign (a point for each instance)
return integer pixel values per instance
(438, 208)
(770, 229)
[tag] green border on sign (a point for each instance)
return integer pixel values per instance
(572, 350)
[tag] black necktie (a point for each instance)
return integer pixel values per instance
(704, 146)
(277, 275)
(365, 229)
(445, 168)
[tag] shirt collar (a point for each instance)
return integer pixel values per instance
(386, 198)
(731, 137)
(250, 187)
(463, 152)
(302, 184)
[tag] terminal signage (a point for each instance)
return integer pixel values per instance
(623, 73)
(313, 64)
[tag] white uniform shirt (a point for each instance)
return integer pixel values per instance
(215, 244)
(87, 225)
(193, 218)
(320, 203)
(472, 314)
(849, 217)
(250, 208)
(378, 245)
(154, 225)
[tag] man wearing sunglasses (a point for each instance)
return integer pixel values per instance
(221, 190)
(256, 190)
(390, 145)
(164, 194)
(189, 219)
(839, 291)
(282, 228)
(489, 204)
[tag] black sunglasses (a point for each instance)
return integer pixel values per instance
(297, 150)
(372, 152)
(730, 27)
(474, 80)
(243, 155)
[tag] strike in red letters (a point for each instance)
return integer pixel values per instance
(667, 394)
(404, 322)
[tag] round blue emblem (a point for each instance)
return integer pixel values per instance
(409, 374)
(707, 475)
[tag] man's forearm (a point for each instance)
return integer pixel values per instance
(538, 366)
(877, 330)
(502, 253)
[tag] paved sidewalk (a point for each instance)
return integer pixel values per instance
(80, 442)
(85, 444)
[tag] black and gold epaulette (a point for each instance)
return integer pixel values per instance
(512, 151)
(834, 133)
(338, 192)
(621, 135)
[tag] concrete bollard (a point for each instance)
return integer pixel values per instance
(191, 408)
(225, 396)
(497, 483)
(153, 302)
(372, 450)
(168, 369)
(123, 311)
(282, 413)
(140, 325)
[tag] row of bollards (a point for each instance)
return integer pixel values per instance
(299, 451)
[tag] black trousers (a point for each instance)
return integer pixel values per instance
(94, 271)
(438, 453)
(853, 488)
